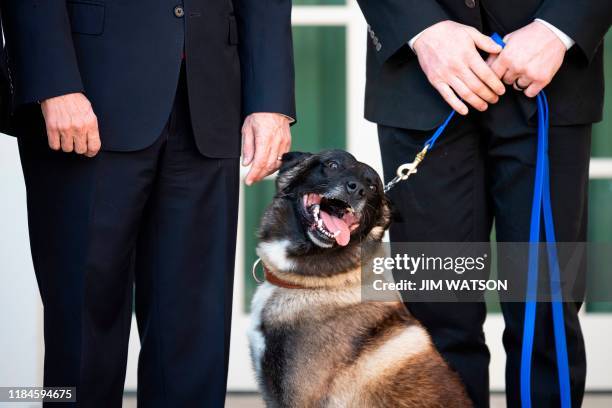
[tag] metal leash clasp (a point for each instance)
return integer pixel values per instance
(407, 169)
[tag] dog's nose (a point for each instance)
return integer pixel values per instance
(355, 188)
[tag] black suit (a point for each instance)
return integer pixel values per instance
(5, 89)
(480, 173)
(170, 84)
(397, 90)
(126, 57)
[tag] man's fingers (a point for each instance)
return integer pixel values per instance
(521, 84)
(450, 98)
(80, 143)
(71, 124)
(260, 159)
(265, 140)
(533, 89)
(467, 95)
(491, 59)
(278, 149)
(80, 137)
(67, 141)
(275, 152)
(248, 145)
(500, 65)
(258, 168)
(53, 138)
(272, 162)
(286, 143)
(486, 74)
(478, 87)
(93, 142)
(484, 42)
(510, 76)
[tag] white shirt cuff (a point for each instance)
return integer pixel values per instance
(291, 120)
(565, 39)
(413, 40)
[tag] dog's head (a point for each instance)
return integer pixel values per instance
(326, 205)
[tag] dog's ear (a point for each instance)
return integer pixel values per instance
(291, 159)
(383, 220)
(290, 167)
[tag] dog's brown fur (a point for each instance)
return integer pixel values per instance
(321, 346)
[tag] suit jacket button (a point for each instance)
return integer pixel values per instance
(378, 46)
(470, 3)
(179, 11)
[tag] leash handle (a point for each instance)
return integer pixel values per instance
(542, 205)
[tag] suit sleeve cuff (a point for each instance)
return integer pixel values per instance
(565, 39)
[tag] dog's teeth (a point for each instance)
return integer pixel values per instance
(320, 223)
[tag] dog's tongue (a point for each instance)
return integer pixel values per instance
(338, 227)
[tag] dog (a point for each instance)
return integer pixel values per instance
(313, 342)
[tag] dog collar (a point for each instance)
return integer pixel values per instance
(276, 281)
(272, 278)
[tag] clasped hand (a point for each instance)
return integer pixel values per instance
(448, 53)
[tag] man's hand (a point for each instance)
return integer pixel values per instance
(531, 58)
(265, 138)
(71, 124)
(448, 54)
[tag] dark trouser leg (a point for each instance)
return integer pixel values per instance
(123, 182)
(512, 164)
(184, 274)
(58, 191)
(445, 202)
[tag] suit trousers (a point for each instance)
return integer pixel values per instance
(152, 230)
(480, 174)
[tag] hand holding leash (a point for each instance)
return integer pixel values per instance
(541, 205)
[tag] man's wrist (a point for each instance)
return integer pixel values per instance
(414, 39)
(289, 118)
(565, 39)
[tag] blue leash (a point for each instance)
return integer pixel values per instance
(541, 204)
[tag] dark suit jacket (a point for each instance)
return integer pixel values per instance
(398, 93)
(5, 89)
(126, 57)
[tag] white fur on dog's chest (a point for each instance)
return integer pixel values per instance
(257, 340)
(286, 305)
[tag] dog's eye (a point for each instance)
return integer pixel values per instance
(373, 188)
(332, 164)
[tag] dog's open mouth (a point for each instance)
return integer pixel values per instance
(333, 219)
